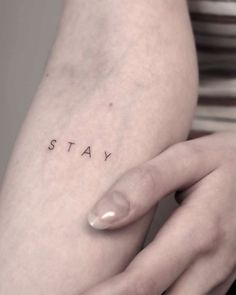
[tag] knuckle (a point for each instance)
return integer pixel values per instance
(191, 151)
(210, 239)
(190, 148)
(207, 231)
(146, 175)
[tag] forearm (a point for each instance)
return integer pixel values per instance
(119, 88)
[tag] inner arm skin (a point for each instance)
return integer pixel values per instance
(122, 78)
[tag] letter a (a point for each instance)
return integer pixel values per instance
(87, 152)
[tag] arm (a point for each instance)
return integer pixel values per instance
(122, 81)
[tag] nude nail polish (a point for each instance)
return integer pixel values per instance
(113, 207)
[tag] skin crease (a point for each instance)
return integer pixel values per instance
(138, 55)
(195, 251)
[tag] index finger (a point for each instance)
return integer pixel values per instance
(155, 269)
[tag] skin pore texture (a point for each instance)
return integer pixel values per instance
(119, 88)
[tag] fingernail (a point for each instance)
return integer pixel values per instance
(112, 208)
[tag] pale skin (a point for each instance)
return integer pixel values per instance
(195, 251)
(120, 89)
(122, 80)
(112, 83)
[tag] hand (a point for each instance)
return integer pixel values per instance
(195, 251)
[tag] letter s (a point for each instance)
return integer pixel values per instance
(52, 144)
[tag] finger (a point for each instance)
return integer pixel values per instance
(139, 189)
(205, 275)
(175, 248)
(214, 268)
(224, 288)
(208, 275)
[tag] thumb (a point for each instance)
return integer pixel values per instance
(142, 187)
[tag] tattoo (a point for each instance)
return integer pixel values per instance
(107, 156)
(70, 144)
(52, 144)
(87, 151)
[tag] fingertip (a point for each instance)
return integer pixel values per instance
(95, 222)
(109, 211)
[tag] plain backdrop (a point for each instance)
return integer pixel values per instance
(27, 31)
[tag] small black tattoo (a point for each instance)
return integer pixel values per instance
(70, 145)
(52, 144)
(107, 156)
(87, 151)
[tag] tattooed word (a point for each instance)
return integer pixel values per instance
(70, 145)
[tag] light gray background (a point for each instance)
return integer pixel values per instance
(27, 31)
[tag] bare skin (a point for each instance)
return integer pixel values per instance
(122, 79)
(195, 251)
